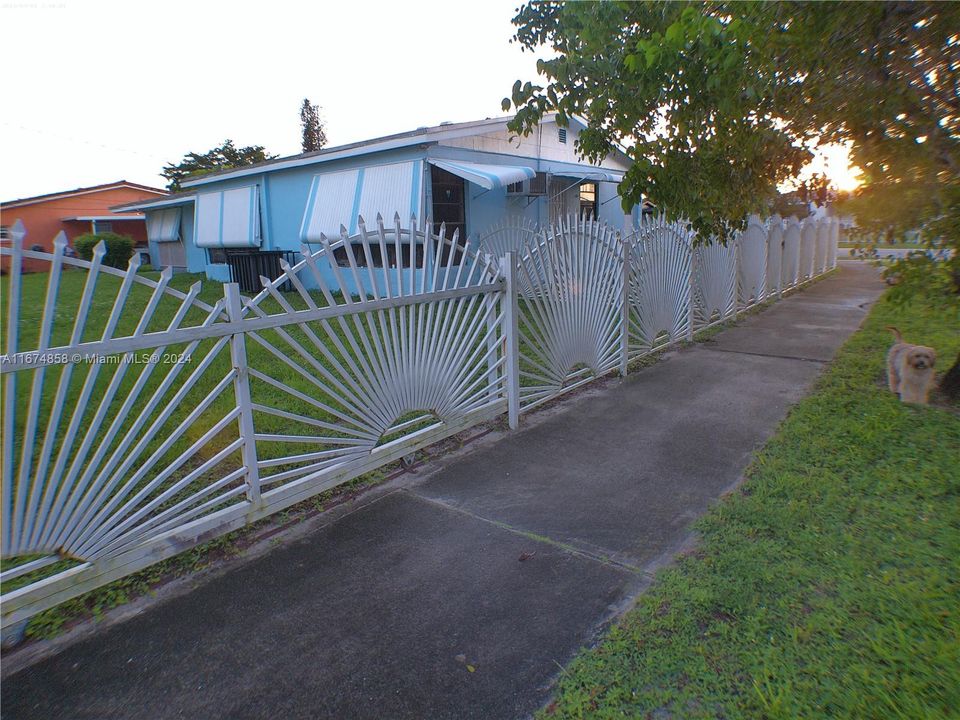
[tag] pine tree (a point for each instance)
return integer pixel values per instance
(314, 136)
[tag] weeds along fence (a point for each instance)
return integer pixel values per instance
(141, 418)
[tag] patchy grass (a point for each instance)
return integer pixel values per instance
(828, 586)
(51, 623)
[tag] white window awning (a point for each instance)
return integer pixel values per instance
(230, 218)
(163, 225)
(339, 198)
(486, 176)
(595, 174)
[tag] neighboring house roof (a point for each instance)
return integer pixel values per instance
(81, 191)
(105, 218)
(181, 198)
(420, 136)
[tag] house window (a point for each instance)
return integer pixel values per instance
(515, 188)
(216, 255)
(376, 257)
(4, 232)
(562, 135)
(102, 226)
(588, 200)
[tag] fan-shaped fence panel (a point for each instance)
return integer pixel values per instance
(569, 286)
(659, 284)
(511, 235)
(714, 283)
(774, 254)
(140, 418)
(516, 235)
(119, 416)
(752, 264)
(385, 360)
(791, 252)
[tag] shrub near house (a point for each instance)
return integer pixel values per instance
(119, 247)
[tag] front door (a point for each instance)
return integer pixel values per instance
(448, 202)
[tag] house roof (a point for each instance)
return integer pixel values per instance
(81, 191)
(105, 218)
(420, 136)
(180, 198)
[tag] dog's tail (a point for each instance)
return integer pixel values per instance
(896, 333)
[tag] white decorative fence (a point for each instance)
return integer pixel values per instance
(140, 420)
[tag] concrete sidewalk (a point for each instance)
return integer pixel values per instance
(463, 594)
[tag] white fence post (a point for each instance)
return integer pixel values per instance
(625, 305)
(17, 234)
(691, 315)
(834, 240)
(512, 333)
(736, 280)
(490, 308)
(241, 390)
(779, 239)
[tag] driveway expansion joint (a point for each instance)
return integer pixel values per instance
(565, 547)
(816, 361)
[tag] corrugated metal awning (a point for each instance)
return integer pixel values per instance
(486, 176)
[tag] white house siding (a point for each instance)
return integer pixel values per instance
(544, 143)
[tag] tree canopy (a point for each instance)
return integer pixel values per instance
(717, 102)
(314, 137)
(224, 157)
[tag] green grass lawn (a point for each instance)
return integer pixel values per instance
(827, 586)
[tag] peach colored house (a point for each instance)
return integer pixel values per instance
(76, 212)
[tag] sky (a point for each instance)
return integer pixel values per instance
(101, 90)
(97, 91)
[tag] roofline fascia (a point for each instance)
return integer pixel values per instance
(153, 204)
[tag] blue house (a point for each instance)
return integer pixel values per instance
(471, 176)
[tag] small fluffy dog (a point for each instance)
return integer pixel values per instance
(910, 370)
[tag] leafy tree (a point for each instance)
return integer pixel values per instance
(224, 157)
(817, 189)
(790, 203)
(314, 136)
(716, 101)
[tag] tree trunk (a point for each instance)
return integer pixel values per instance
(950, 385)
